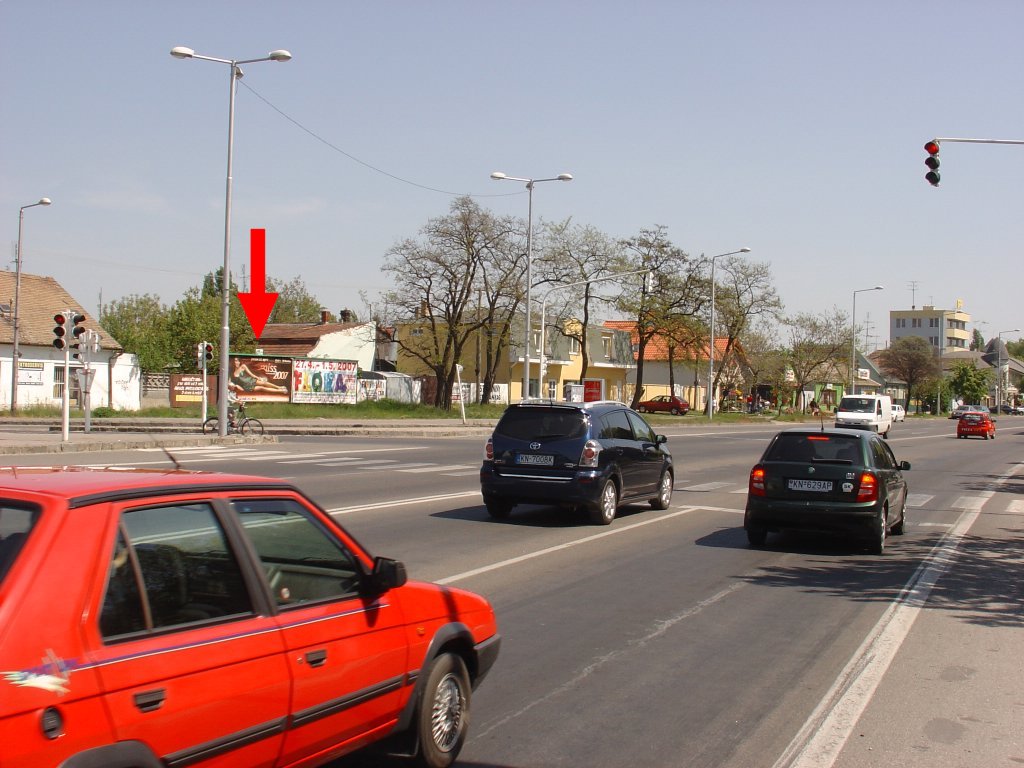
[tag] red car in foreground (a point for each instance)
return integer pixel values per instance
(976, 424)
(152, 618)
(664, 404)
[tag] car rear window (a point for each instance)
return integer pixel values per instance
(542, 423)
(815, 447)
(15, 525)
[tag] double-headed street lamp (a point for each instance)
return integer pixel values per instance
(711, 345)
(853, 343)
(225, 331)
(498, 175)
(999, 367)
(17, 295)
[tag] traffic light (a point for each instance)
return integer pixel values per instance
(76, 334)
(59, 331)
(200, 347)
(932, 161)
(208, 351)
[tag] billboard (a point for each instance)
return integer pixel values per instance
(324, 381)
(260, 379)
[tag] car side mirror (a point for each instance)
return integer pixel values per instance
(904, 465)
(660, 439)
(387, 574)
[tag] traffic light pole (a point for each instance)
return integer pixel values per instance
(932, 148)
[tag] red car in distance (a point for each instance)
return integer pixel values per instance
(664, 404)
(976, 424)
(152, 618)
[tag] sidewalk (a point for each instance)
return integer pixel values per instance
(25, 436)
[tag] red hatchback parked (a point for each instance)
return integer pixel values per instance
(975, 424)
(664, 404)
(153, 618)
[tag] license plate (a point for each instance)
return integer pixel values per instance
(820, 486)
(535, 459)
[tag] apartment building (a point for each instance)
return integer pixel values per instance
(945, 329)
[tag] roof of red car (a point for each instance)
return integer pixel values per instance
(77, 482)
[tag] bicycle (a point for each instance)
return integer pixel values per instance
(239, 422)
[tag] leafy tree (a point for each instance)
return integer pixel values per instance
(765, 361)
(294, 303)
(970, 383)
(977, 340)
(817, 347)
(912, 359)
(677, 289)
(139, 323)
(1015, 348)
(197, 317)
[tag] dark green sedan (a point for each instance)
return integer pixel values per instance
(829, 480)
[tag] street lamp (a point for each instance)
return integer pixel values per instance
(181, 52)
(999, 367)
(711, 345)
(17, 295)
(853, 343)
(544, 304)
(499, 176)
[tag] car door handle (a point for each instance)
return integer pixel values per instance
(150, 701)
(316, 658)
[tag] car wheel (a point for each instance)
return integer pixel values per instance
(499, 510)
(757, 536)
(897, 528)
(881, 529)
(604, 512)
(675, 411)
(664, 498)
(443, 716)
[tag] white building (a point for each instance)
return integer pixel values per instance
(40, 381)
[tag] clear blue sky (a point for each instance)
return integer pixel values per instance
(794, 128)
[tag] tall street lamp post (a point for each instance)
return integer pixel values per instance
(15, 355)
(498, 175)
(853, 342)
(181, 52)
(711, 339)
(999, 367)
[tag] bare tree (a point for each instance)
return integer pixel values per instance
(437, 282)
(912, 359)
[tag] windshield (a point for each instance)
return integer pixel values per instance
(857, 404)
(15, 524)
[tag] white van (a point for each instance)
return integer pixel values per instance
(872, 412)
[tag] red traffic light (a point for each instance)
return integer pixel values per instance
(59, 319)
(932, 148)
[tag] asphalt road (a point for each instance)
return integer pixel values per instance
(664, 640)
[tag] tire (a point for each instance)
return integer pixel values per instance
(664, 498)
(251, 427)
(499, 510)
(898, 528)
(210, 426)
(757, 536)
(442, 718)
(675, 411)
(881, 529)
(604, 511)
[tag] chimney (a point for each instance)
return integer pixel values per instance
(325, 317)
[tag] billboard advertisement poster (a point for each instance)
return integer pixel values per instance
(593, 390)
(372, 389)
(187, 389)
(324, 381)
(260, 379)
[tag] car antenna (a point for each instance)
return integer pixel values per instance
(821, 415)
(177, 464)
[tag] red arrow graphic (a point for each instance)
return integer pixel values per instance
(258, 304)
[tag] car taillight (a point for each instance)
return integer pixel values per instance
(756, 486)
(591, 450)
(868, 490)
(489, 450)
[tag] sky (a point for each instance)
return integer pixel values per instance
(793, 128)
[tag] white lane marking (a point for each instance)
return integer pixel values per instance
(824, 734)
(970, 502)
(918, 499)
(353, 462)
(435, 468)
(707, 486)
(565, 546)
(402, 502)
